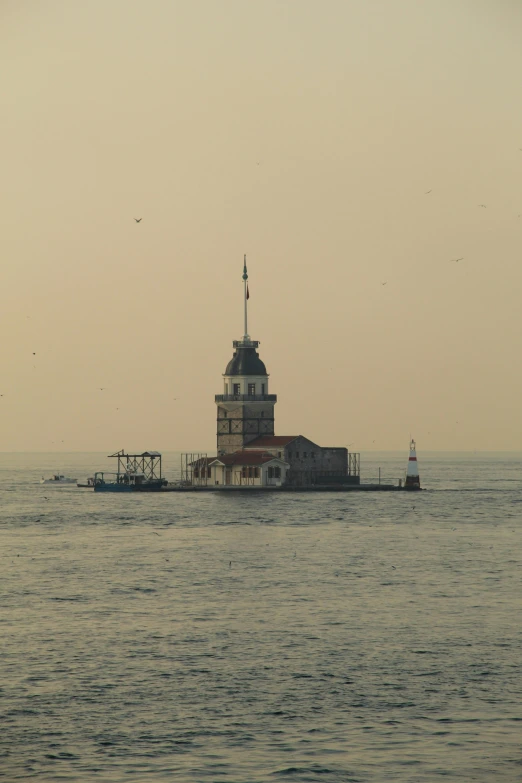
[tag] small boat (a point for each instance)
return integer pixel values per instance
(58, 479)
(126, 482)
(88, 484)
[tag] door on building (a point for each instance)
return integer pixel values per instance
(228, 476)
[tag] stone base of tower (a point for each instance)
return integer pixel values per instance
(239, 423)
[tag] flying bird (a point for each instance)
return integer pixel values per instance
(456, 260)
(482, 205)
(428, 191)
(384, 283)
(138, 220)
(102, 388)
(34, 354)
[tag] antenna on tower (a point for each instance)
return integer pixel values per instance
(246, 295)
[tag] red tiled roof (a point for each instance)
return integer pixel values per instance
(271, 441)
(246, 458)
(202, 461)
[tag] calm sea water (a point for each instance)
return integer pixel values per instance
(247, 639)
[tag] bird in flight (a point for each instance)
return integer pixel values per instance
(482, 205)
(102, 388)
(456, 260)
(384, 283)
(138, 220)
(428, 191)
(34, 354)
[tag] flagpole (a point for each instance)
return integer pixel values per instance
(245, 285)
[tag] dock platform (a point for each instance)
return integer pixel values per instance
(286, 489)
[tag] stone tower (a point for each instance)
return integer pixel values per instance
(245, 410)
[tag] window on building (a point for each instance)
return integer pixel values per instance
(244, 472)
(270, 473)
(225, 414)
(312, 454)
(305, 454)
(251, 389)
(279, 454)
(297, 455)
(277, 472)
(262, 388)
(196, 473)
(237, 388)
(209, 473)
(256, 472)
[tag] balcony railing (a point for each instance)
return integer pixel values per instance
(246, 397)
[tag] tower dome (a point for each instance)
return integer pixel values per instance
(245, 360)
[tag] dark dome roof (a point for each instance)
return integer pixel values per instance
(246, 360)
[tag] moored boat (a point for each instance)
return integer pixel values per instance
(136, 473)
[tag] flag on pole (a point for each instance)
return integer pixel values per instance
(248, 293)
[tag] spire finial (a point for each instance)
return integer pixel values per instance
(246, 295)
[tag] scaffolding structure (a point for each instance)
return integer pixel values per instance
(354, 463)
(195, 470)
(147, 464)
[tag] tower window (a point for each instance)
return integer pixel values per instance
(237, 388)
(251, 389)
(262, 388)
(297, 455)
(305, 455)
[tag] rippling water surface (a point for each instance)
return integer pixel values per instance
(246, 638)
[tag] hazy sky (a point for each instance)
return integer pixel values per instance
(303, 133)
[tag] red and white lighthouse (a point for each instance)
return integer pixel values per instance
(412, 473)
